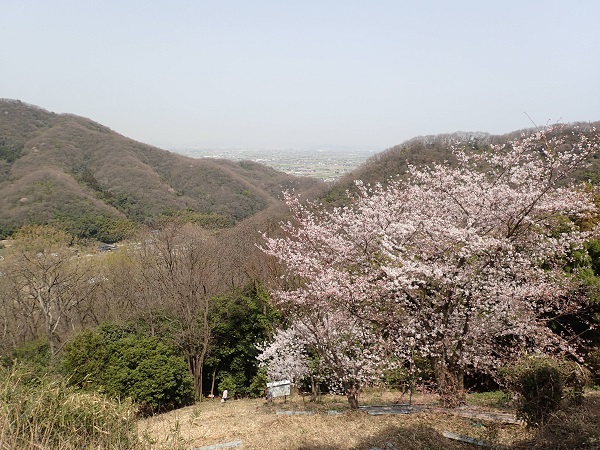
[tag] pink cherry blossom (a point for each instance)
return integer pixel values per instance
(460, 265)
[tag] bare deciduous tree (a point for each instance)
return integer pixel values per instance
(48, 281)
(179, 267)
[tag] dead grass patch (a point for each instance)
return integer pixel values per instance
(256, 423)
(577, 427)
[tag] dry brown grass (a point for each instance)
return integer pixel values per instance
(42, 413)
(576, 427)
(258, 425)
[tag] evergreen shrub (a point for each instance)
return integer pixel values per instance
(122, 364)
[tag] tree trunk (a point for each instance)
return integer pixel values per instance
(315, 389)
(351, 389)
(195, 366)
(450, 383)
(51, 344)
(200, 377)
(212, 383)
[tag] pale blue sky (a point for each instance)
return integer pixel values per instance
(290, 74)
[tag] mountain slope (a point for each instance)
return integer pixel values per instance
(61, 167)
(427, 150)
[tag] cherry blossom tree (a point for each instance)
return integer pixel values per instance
(328, 345)
(286, 357)
(462, 265)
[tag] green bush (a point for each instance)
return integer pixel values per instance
(258, 383)
(10, 151)
(540, 388)
(39, 412)
(240, 320)
(122, 364)
(232, 382)
(103, 228)
(540, 384)
(33, 354)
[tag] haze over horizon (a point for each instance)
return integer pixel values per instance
(234, 74)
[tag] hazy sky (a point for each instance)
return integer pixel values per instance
(288, 74)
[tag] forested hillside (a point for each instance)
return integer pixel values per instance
(68, 170)
(428, 150)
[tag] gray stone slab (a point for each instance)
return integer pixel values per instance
(467, 439)
(390, 409)
(218, 446)
(293, 413)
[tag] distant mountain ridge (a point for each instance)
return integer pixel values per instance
(427, 150)
(69, 169)
(62, 168)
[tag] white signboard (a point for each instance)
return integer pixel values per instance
(279, 388)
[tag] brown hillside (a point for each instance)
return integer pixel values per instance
(61, 167)
(427, 150)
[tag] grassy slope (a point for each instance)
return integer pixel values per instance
(256, 423)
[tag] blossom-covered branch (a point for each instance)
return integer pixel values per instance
(462, 264)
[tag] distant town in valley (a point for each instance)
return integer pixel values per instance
(328, 163)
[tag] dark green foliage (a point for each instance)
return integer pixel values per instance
(585, 266)
(541, 391)
(86, 176)
(9, 151)
(147, 371)
(103, 228)
(7, 229)
(593, 362)
(258, 383)
(121, 363)
(593, 250)
(35, 355)
(240, 320)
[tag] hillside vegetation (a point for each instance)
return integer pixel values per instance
(437, 149)
(438, 285)
(69, 169)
